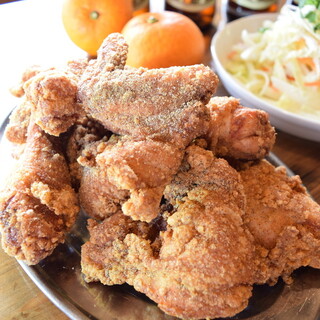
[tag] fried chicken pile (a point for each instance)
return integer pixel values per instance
(183, 205)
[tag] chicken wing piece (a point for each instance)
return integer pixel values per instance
(127, 172)
(165, 103)
(195, 260)
(74, 66)
(282, 217)
(37, 205)
(49, 107)
(53, 98)
(238, 132)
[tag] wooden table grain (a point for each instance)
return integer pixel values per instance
(19, 296)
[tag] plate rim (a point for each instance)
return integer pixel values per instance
(54, 294)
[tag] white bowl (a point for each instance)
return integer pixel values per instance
(221, 45)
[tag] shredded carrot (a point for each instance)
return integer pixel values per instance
(263, 68)
(291, 78)
(301, 43)
(231, 54)
(273, 87)
(312, 84)
(308, 62)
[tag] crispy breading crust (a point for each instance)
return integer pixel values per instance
(38, 206)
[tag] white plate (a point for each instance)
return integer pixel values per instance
(221, 45)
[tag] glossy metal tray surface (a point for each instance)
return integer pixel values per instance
(59, 278)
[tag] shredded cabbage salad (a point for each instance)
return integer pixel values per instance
(281, 61)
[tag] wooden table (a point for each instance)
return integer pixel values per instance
(21, 299)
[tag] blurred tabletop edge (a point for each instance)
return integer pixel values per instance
(19, 296)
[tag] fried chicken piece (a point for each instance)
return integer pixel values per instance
(111, 55)
(238, 132)
(136, 164)
(164, 103)
(282, 217)
(202, 263)
(49, 92)
(74, 66)
(16, 130)
(37, 205)
(128, 173)
(53, 97)
(30, 72)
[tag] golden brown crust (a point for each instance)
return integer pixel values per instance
(52, 96)
(38, 205)
(29, 73)
(208, 201)
(238, 132)
(140, 102)
(127, 173)
(179, 275)
(282, 218)
(16, 130)
(76, 67)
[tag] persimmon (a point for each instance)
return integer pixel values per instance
(163, 39)
(89, 22)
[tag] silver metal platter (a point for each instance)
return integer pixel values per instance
(59, 278)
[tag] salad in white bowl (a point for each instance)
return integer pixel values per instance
(280, 61)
